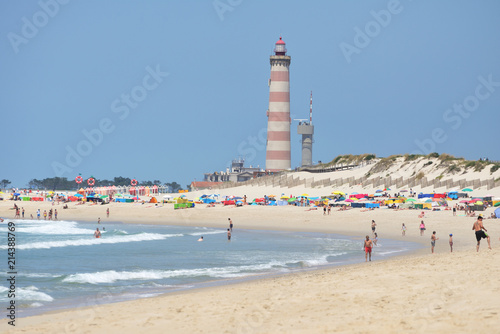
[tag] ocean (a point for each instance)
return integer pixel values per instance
(59, 264)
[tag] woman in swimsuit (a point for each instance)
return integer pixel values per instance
(422, 228)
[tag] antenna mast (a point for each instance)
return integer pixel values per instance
(311, 110)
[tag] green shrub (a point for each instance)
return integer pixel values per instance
(479, 166)
(470, 164)
(494, 168)
(419, 176)
(453, 169)
(411, 157)
(428, 163)
(433, 155)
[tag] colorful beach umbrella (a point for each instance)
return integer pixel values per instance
(338, 192)
(304, 195)
(497, 204)
(467, 189)
(410, 200)
(349, 200)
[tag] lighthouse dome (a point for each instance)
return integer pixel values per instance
(280, 49)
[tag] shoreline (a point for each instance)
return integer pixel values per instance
(258, 317)
(118, 298)
(294, 301)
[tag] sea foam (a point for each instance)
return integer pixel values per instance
(94, 241)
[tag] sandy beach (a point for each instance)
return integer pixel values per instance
(445, 292)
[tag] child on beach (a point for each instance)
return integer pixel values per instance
(403, 230)
(451, 243)
(375, 239)
(433, 241)
(422, 228)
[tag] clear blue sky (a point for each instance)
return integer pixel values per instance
(380, 91)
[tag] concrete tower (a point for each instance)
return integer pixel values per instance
(306, 129)
(278, 124)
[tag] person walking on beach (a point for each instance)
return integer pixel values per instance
(230, 224)
(368, 245)
(451, 243)
(45, 214)
(228, 235)
(403, 230)
(373, 226)
(55, 214)
(478, 227)
(422, 228)
(22, 212)
(107, 212)
(97, 233)
(433, 241)
(99, 220)
(329, 209)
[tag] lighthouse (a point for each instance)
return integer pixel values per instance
(278, 123)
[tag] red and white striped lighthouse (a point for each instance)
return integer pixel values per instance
(278, 124)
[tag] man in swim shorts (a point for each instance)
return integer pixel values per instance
(478, 227)
(97, 233)
(433, 241)
(368, 248)
(228, 235)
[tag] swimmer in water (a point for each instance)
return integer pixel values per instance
(97, 233)
(201, 238)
